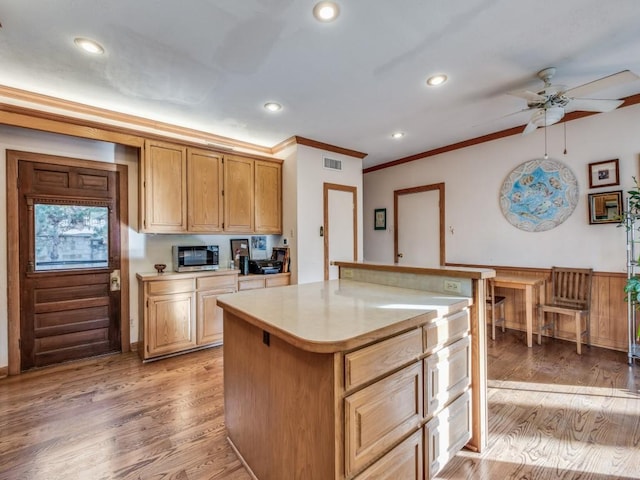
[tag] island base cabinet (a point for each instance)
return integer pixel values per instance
(279, 404)
(446, 434)
(402, 463)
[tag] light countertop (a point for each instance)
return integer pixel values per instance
(337, 315)
(170, 274)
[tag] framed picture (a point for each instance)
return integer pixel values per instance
(281, 254)
(604, 174)
(380, 219)
(239, 247)
(259, 247)
(605, 207)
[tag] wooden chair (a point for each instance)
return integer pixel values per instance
(570, 295)
(494, 302)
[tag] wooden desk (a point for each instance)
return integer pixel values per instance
(528, 284)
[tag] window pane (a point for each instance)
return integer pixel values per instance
(71, 236)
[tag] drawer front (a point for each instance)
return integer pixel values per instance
(171, 286)
(446, 433)
(402, 463)
(446, 330)
(378, 416)
(447, 373)
(276, 281)
(375, 360)
(250, 284)
(216, 282)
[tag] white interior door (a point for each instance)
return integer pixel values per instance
(340, 226)
(418, 227)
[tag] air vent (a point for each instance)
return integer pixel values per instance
(332, 164)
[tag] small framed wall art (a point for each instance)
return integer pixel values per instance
(380, 219)
(605, 207)
(604, 174)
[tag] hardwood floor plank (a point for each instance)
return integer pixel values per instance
(556, 415)
(552, 415)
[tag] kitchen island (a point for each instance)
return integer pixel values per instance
(349, 379)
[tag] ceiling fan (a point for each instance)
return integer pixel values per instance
(550, 104)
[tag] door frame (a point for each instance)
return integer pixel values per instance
(343, 188)
(13, 260)
(408, 191)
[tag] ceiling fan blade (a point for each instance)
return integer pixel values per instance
(592, 105)
(528, 95)
(529, 128)
(602, 83)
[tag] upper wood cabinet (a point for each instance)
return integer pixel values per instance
(268, 197)
(204, 196)
(188, 190)
(238, 194)
(163, 192)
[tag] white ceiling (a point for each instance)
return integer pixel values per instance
(212, 64)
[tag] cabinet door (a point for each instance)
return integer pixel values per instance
(164, 187)
(204, 206)
(238, 194)
(171, 326)
(446, 433)
(209, 323)
(447, 374)
(268, 197)
(376, 420)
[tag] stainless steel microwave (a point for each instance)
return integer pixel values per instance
(193, 258)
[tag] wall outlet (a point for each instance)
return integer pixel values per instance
(453, 286)
(285, 241)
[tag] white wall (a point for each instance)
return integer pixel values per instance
(290, 208)
(473, 178)
(144, 249)
(311, 176)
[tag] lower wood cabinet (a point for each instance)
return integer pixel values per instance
(171, 323)
(406, 393)
(178, 312)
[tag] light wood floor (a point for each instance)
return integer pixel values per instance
(553, 415)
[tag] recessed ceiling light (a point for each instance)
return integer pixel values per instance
(326, 11)
(436, 80)
(397, 135)
(89, 45)
(273, 106)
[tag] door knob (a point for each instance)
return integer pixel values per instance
(400, 255)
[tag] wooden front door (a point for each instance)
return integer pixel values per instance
(69, 244)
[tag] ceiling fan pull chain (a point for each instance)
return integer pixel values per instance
(565, 136)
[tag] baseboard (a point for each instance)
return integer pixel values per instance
(242, 460)
(134, 347)
(4, 372)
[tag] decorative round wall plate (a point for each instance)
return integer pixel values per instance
(539, 195)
